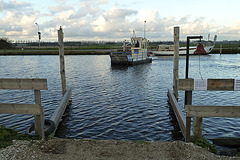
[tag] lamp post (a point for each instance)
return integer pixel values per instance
(39, 36)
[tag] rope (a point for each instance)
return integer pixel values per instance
(199, 67)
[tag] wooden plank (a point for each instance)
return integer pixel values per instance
(212, 111)
(220, 84)
(24, 84)
(185, 84)
(10, 108)
(60, 109)
(213, 84)
(178, 112)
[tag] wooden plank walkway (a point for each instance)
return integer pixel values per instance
(178, 112)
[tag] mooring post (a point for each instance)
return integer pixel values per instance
(61, 57)
(221, 48)
(176, 62)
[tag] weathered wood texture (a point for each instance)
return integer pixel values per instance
(212, 111)
(212, 84)
(188, 101)
(197, 127)
(178, 112)
(8, 108)
(36, 109)
(24, 84)
(206, 111)
(176, 62)
(61, 58)
(39, 119)
(60, 109)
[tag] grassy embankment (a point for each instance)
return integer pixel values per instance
(227, 48)
(101, 49)
(69, 50)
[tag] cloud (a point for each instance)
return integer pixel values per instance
(90, 20)
(17, 19)
(13, 5)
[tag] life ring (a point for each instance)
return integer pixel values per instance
(50, 127)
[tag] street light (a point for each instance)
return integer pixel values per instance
(39, 36)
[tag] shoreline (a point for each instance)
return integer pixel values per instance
(55, 52)
(61, 149)
(85, 52)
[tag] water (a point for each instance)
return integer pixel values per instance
(121, 103)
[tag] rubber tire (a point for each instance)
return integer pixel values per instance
(31, 133)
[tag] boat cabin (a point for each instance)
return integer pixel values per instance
(139, 44)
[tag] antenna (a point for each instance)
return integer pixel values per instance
(144, 29)
(134, 35)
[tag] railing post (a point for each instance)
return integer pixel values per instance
(39, 119)
(197, 127)
(188, 101)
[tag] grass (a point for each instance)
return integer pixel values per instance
(9, 134)
(205, 144)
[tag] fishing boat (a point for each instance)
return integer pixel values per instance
(134, 53)
(168, 50)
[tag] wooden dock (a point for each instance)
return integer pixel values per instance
(197, 112)
(37, 109)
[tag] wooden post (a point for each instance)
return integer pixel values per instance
(220, 48)
(61, 56)
(39, 119)
(197, 127)
(188, 101)
(176, 62)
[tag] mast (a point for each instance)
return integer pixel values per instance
(144, 29)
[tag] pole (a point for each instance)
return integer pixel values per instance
(39, 36)
(187, 51)
(187, 57)
(188, 94)
(221, 48)
(176, 62)
(61, 58)
(144, 29)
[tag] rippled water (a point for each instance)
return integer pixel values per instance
(127, 103)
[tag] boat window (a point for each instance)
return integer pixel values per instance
(137, 44)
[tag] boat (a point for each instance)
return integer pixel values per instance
(168, 50)
(134, 53)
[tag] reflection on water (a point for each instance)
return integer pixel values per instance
(110, 102)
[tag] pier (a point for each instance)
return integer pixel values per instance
(41, 127)
(198, 112)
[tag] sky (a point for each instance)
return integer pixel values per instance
(115, 20)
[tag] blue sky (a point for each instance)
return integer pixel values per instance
(116, 19)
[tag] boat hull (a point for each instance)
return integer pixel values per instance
(171, 53)
(182, 52)
(123, 58)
